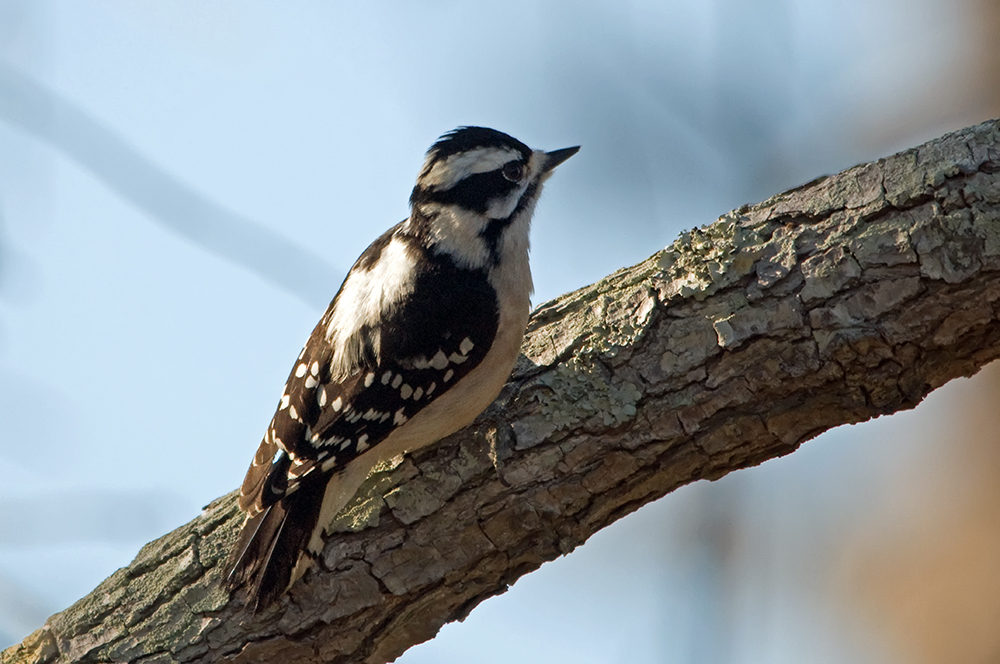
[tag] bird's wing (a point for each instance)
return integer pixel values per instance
(418, 351)
(426, 344)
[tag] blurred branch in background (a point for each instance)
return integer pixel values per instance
(239, 240)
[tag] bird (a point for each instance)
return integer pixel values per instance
(417, 342)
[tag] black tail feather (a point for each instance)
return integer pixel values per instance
(271, 543)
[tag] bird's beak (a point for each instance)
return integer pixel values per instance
(556, 157)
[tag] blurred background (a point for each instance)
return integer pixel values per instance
(183, 185)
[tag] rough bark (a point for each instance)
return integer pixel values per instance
(850, 297)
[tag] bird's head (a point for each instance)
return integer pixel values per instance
(479, 182)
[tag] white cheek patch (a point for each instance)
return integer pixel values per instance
(445, 174)
(458, 232)
(501, 208)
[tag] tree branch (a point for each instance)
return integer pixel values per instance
(850, 297)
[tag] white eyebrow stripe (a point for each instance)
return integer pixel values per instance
(445, 174)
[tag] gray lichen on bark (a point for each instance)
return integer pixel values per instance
(849, 297)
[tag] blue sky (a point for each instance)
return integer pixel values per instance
(141, 358)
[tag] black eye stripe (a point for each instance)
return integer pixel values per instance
(472, 193)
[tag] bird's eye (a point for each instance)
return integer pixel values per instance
(513, 171)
